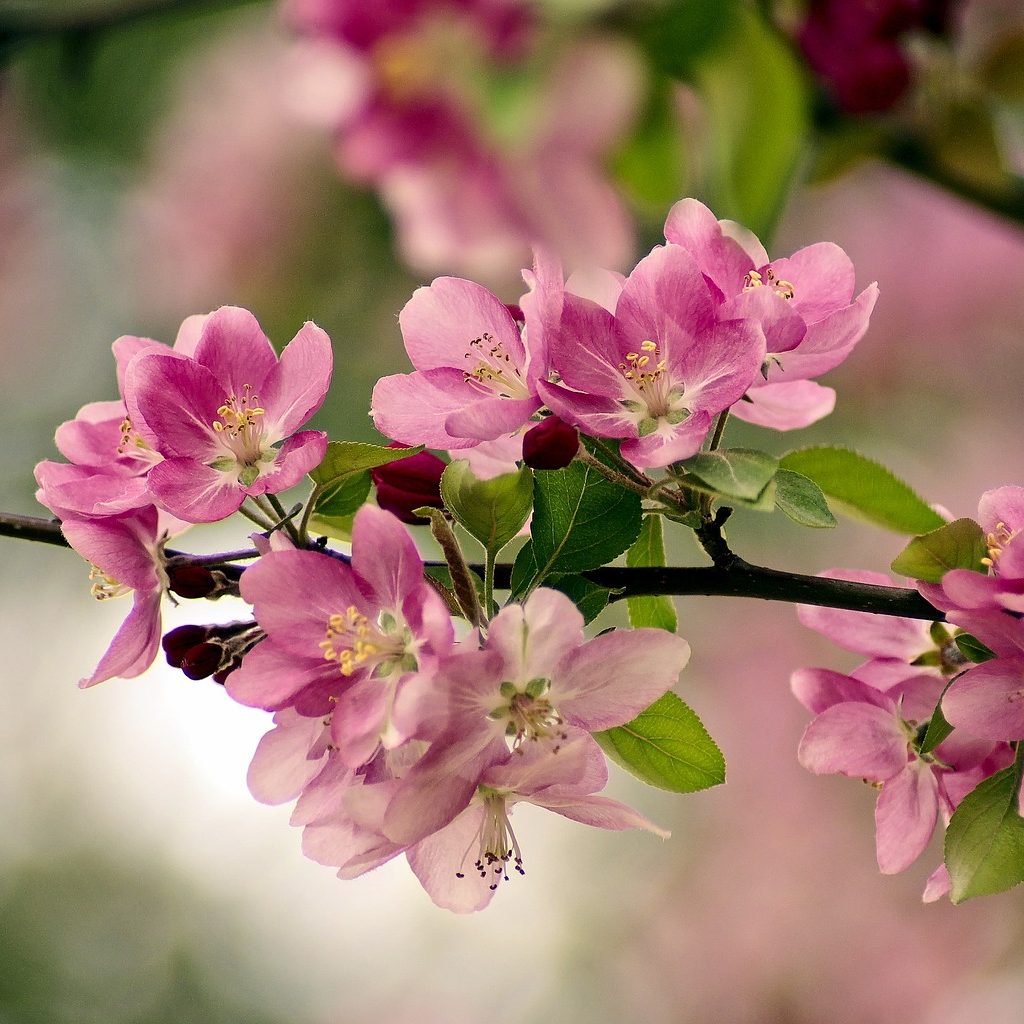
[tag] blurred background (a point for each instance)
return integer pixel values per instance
(320, 159)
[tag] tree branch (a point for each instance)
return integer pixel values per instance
(730, 578)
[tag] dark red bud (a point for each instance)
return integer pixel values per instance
(202, 660)
(551, 444)
(409, 483)
(178, 642)
(191, 580)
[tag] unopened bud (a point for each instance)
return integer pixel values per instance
(409, 483)
(551, 444)
(178, 642)
(202, 660)
(191, 580)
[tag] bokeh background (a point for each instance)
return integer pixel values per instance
(161, 159)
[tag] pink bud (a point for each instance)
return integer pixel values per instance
(551, 444)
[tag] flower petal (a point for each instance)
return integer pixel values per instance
(295, 386)
(235, 350)
(905, 817)
(859, 740)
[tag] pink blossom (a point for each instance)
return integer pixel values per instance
(536, 682)
(804, 302)
(462, 865)
(657, 370)
(108, 460)
(126, 553)
(217, 417)
(476, 374)
(864, 733)
(358, 643)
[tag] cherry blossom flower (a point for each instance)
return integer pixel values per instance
(126, 553)
(462, 865)
(218, 416)
(657, 370)
(536, 682)
(356, 642)
(864, 733)
(804, 302)
(476, 374)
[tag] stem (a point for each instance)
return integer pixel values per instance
(613, 474)
(283, 517)
(489, 557)
(627, 468)
(733, 577)
(716, 437)
(307, 514)
(217, 559)
(255, 515)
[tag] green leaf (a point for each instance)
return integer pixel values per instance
(802, 500)
(343, 497)
(973, 649)
(346, 457)
(656, 611)
(734, 472)
(581, 520)
(863, 488)
(666, 746)
(985, 839)
(755, 99)
(588, 597)
(938, 728)
(957, 545)
(493, 511)
(338, 527)
(524, 570)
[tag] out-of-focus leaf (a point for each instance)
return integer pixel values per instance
(656, 610)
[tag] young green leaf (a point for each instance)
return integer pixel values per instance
(581, 520)
(985, 839)
(957, 545)
(802, 500)
(863, 488)
(657, 611)
(733, 472)
(343, 496)
(973, 649)
(342, 481)
(666, 746)
(524, 571)
(493, 511)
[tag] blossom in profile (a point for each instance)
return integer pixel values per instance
(126, 553)
(659, 369)
(804, 302)
(462, 865)
(218, 416)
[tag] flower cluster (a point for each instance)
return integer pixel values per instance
(960, 682)
(703, 325)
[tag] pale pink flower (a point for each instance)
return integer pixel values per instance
(462, 865)
(218, 416)
(804, 302)
(536, 682)
(659, 369)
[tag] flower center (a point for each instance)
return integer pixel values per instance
(240, 426)
(753, 280)
(494, 373)
(529, 713)
(134, 448)
(656, 398)
(357, 644)
(104, 587)
(996, 541)
(497, 845)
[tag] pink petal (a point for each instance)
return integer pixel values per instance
(235, 350)
(194, 492)
(612, 678)
(1003, 505)
(598, 811)
(905, 817)
(386, 562)
(358, 719)
(282, 766)
(601, 286)
(412, 408)
(819, 688)
(533, 638)
(271, 676)
(720, 365)
(937, 886)
(593, 414)
(491, 418)
(123, 547)
(439, 322)
(692, 225)
(786, 406)
(300, 453)
(988, 700)
(587, 348)
(822, 276)
(783, 327)
(859, 740)
(668, 444)
(296, 386)
(135, 645)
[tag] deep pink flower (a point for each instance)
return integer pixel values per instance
(358, 643)
(218, 416)
(462, 865)
(476, 374)
(126, 553)
(658, 370)
(804, 303)
(535, 683)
